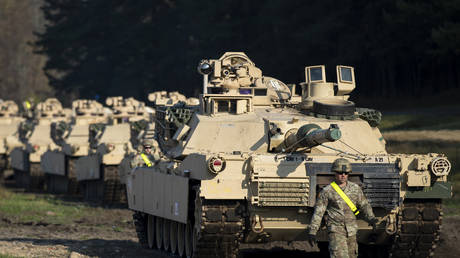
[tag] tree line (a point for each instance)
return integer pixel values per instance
(100, 48)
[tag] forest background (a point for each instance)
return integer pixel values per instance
(98, 48)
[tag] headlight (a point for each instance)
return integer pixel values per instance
(440, 166)
(216, 165)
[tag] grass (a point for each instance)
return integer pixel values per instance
(419, 122)
(451, 150)
(9, 256)
(34, 208)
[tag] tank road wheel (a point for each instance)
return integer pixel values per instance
(166, 233)
(419, 228)
(151, 231)
(140, 223)
(159, 232)
(181, 239)
(188, 239)
(173, 236)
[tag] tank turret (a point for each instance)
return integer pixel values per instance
(164, 98)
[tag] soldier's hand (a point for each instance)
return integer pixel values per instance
(373, 223)
(311, 239)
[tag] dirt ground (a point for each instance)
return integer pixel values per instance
(112, 235)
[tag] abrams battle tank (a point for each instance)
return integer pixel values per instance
(10, 119)
(99, 172)
(74, 141)
(37, 136)
(247, 168)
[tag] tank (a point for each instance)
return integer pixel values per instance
(10, 119)
(247, 167)
(73, 139)
(37, 137)
(99, 172)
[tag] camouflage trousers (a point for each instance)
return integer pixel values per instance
(341, 246)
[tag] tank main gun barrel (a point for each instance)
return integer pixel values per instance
(310, 137)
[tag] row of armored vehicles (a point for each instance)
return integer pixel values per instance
(246, 164)
(85, 150)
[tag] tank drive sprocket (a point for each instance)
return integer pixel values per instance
(218, 228)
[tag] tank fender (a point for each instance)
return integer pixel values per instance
(227, 181)
(159, 194)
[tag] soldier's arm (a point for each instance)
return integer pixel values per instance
(364, 206)
(320, 208)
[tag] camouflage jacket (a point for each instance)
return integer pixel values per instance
(340, 218)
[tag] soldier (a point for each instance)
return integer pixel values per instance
(146, 156)
(343, 200)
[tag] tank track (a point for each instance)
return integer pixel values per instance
(140, 223)
(218, 228)
(418, 229)
(37, 177)
(114, 191)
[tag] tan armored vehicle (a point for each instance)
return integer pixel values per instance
(37, 135)
(74, 141)
(248, 167)
(10, 119)
(164, 98)
(98, 173)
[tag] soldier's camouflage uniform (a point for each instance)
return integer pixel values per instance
(341, 222)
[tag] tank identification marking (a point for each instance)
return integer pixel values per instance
(293, 158)
(379, 159)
